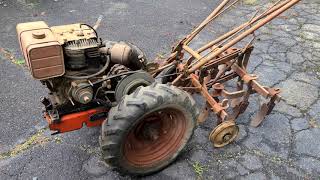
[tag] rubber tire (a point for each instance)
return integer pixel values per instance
(127, 114)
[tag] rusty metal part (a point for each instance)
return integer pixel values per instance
(215, 13)
(156, 138)
(215, 106)
(162, 68)
(224, 133)
(216, 62)
(242, 35)
(118, 69)
(241, 27)
(266, 108)
(203, 115)
(243, 104)
(219, 90)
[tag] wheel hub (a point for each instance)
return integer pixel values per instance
(156, 137)
(150, 130)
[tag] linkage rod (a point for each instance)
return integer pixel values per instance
(241, 27)
(243, 35)
(238, 29)
(214, 13)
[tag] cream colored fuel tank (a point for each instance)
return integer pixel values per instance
(41, 49)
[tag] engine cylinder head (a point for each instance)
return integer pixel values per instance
(77, 52)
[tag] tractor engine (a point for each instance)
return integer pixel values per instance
(85, 75)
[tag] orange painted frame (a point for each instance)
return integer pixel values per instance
(75, 121)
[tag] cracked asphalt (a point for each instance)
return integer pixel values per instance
(286, 55)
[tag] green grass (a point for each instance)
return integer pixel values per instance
(250, 2)
(58, 140)
(10, 56)
(35, 139)
(19, 61)
(198, 168)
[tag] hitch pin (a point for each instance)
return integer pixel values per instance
(98, 22)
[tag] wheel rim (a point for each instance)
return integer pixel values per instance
(155, 138)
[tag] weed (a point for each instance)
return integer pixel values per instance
(161, 55)
(313, 123)
(89, 149)
(9, 55)
(250, 2)
(19, 61)
(198, 168)
(35, 139)
(58, 140)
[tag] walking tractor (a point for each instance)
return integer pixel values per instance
(145, 109)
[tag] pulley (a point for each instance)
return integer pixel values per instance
(130, 83)
(81, 92)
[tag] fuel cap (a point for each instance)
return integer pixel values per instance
(38, 35)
